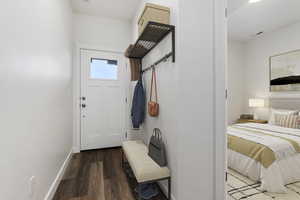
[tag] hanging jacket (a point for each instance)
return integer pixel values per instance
(138, 105)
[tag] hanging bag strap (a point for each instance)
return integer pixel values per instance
(153, 80)
(157, 134)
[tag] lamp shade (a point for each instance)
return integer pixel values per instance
(256, 103)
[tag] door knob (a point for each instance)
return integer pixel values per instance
(83, 105)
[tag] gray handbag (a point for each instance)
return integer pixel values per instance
(157, 148)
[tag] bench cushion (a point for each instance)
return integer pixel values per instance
(143, 167)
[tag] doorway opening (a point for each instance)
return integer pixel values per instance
(262, 107)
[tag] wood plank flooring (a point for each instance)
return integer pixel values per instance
(97, 175)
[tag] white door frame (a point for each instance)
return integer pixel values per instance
(220, 58)
(77, 88)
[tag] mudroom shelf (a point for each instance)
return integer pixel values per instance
(153, 34)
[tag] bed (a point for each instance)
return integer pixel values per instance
(266, 153)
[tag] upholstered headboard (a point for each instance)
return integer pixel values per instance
(285, 103)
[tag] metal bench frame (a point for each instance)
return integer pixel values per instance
(151, 181)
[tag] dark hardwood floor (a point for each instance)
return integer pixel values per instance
(97, 175)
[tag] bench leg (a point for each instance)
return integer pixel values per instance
(139, 191)
(169, 189)
(122, 159)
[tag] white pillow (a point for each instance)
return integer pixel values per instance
(288, 121)
(280, 112)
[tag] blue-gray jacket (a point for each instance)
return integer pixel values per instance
(138, 105)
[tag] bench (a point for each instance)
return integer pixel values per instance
(144, 168)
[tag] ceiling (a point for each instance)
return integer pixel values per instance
(115, 9)
(245, 19)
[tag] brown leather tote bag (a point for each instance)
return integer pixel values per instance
(153, 106)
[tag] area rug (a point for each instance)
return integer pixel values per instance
(241, 188)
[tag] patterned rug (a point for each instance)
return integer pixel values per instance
(240, 188)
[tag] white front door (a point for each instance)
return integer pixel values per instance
(102, 99)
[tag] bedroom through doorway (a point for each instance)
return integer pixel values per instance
(263, 100)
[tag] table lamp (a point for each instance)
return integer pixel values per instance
(256, 103)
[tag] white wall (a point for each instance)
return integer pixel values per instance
(35, 85)
(167, 85)
(201, 95)
(109, 34)
(258, 52)
(236, 101)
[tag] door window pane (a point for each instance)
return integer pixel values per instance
(104, 69)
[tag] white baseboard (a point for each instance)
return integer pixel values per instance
(76, 149)
(165, 190)
(54, 185)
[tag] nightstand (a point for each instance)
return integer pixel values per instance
(252, 120)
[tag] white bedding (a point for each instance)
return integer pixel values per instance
(286, 168)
